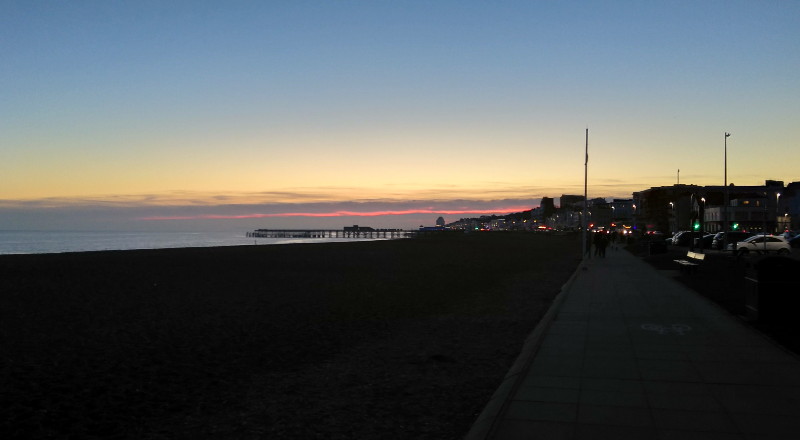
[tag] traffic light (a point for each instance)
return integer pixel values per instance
(696, 226)
(735, 226)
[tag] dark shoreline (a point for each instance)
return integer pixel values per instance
(389, 339)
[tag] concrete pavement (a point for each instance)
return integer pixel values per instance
(627, 352)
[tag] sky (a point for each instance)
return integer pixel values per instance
(236, 115)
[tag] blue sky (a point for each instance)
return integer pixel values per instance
(152, 109)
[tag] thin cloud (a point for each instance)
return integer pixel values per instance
(503, 210)
(288, 196)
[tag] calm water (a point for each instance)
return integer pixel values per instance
(26, 242)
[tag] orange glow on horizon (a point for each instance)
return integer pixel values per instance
(339, 214)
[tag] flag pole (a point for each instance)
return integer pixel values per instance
(584, 222)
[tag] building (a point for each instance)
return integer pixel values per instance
(498, 224)
(689, 207)
(600, 214)
(622, 213)
(745, 204)
(356, 228)
(570, 202)
(789, 207)
(744, 214)
(548, 207)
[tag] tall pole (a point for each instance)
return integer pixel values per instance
(766, 201)
(585, 180)
(726, 202)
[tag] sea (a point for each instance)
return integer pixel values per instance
(47, 242)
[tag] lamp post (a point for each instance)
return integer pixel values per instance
(703, 212)
(585, 185)
(701, 218)
(613, 215)
(673, 226)
(777, 205)
(725, 205)
(764, 232)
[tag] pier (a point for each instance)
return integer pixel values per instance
(331, 233)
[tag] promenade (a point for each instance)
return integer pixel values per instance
(626, 352)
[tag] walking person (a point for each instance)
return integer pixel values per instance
(602, 244)
(596, 238)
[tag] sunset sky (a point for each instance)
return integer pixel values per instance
(198, 115)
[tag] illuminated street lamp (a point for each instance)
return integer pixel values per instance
(703, 199)
(725, 206)
(613, 214)
(674, 220)
(701, 221)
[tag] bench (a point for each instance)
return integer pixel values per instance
(691, 262)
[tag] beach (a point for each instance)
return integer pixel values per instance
(386, 339)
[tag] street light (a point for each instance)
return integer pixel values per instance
(725, 206)
(703, 199)
(674, 220)
(764, 231)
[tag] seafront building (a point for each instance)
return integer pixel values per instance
(771, 208)
(708, 208)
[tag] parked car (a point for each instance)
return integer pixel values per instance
(733, 237)
(674, 238)
(704, 241)
(684, 238)
(761, 243)
(794, 241)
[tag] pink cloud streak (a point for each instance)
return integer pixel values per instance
(337, 214)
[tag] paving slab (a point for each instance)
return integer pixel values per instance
(627, 351)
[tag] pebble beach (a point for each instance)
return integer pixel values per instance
(386, 339)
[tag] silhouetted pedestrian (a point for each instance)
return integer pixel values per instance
(613, 237)
(602, 244)
(596, 237)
